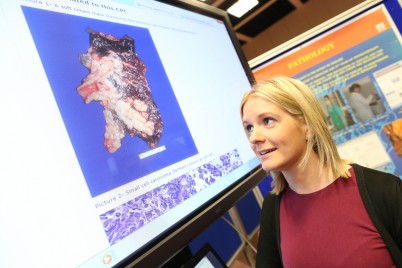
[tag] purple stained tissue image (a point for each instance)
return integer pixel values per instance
(134, 214)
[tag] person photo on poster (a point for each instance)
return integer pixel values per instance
(363, 99)
(336, 117)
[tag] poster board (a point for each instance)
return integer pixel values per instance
(359, 47)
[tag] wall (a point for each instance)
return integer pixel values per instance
(307, 16)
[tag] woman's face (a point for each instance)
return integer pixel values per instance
(276, 137)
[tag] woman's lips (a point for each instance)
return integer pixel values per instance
(267, 151)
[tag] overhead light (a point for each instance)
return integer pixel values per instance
(241, 7)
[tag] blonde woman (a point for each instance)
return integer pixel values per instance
(322, 211)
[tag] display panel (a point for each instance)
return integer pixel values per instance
(353, 65)
(121, 129)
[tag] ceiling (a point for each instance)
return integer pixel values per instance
(259, 18)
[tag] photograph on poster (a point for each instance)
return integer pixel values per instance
(394, 133)
(363, 99)
(338, 116)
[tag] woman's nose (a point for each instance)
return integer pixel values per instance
(256, 136)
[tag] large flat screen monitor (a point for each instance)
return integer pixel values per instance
(121, 135)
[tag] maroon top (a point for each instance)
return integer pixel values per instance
(330, 228)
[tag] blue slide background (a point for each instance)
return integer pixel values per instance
(60, 39)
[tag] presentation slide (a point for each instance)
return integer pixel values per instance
(119, 118)
(355, 70)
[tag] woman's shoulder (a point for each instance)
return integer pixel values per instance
(381, 186)
(375, 176)
(270, 201)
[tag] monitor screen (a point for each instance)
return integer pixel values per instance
(121, 128)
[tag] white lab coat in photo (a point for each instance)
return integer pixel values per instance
(361, 106)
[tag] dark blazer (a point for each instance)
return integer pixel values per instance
(382, 196)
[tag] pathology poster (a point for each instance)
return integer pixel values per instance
(356, 72)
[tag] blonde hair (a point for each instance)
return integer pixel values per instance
(300, 101)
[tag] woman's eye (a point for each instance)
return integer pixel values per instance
(267, 120)
(249, 128)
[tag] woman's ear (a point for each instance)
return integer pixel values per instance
(309, 132)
